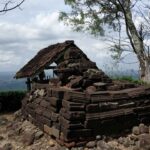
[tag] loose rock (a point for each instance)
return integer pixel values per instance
(38, 135)
(128, 142)
(51, 143)
(91, 144)
(103, 145)
(144, 141)
(143, 129)
(11, 133)
(134, 137)
(98, 137)
(3, 121)
(121, 140)
(42, 92)
(17, 114)
(136, 130)
(28, 138)
(8, 146)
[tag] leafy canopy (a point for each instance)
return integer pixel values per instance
(94, 15)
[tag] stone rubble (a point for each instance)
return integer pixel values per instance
(72, 116)
(32, 138)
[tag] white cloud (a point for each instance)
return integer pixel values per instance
(19, 42)
(39, 32)
(9, 61)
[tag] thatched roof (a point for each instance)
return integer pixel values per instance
(45, 57)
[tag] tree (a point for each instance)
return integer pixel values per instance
(97, 16)
(8, 5)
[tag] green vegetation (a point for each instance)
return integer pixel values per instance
(11, 100)
(129, 79)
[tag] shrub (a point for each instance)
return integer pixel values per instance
(129, 79)
(11, 100)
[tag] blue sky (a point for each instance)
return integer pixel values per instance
(24, 32)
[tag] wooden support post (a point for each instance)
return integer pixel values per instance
(53, 73)
(28, 84)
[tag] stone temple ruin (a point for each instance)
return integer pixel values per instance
(80, 101)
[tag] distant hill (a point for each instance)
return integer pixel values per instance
(7, 82)
(120, 73)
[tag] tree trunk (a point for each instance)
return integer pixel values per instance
(136, 43)
(145, 72)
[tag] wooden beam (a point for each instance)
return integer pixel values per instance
(50, 67)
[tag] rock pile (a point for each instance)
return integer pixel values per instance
(19, 134)
(72, 116)
(138, 140)
(76, 71)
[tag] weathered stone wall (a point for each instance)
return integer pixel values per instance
(72, 116)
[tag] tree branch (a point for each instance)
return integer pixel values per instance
(5, 9)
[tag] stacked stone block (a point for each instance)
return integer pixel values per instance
(72, 116)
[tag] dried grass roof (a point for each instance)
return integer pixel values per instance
(44, 58)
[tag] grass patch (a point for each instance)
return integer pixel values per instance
(130, 79)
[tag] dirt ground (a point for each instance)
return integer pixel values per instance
(15, 135)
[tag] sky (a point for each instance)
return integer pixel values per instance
(24, 32)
